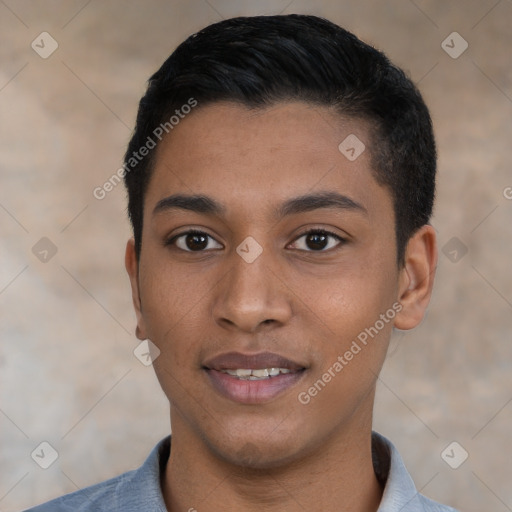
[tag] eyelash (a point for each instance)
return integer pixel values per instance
(340, 239)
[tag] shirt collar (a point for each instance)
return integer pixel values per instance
(400, 494)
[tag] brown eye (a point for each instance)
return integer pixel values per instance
(192, 241)
(319, 240)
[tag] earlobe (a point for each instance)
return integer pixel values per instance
(417, 278)
(132, 267)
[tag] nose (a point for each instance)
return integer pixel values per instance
(252, 295)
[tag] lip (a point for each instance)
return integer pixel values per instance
(252, 391)
(234, 360)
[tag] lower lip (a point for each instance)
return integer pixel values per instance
(252, 391)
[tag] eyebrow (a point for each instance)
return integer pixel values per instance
(301, 204)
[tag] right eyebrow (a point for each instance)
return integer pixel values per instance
(195, 203)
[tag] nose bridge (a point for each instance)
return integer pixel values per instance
(250, 275)
(251, 293)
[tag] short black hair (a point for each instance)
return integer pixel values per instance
(258, 61)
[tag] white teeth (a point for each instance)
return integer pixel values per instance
(260, 373)
(256, 374)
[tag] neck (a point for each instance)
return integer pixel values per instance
(338, 476)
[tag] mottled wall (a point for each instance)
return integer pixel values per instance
(68, 375)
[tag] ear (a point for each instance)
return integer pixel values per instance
(416, 278)
(132, 267)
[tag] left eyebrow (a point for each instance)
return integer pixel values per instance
(301, 204)
(310, 202)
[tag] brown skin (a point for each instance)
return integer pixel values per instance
(304, 303)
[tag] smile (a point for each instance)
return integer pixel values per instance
(253, 378)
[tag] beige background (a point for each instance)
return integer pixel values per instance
(68, 374)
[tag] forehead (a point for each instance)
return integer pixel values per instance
(250, 158)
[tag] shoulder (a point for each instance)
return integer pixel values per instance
(99, 497)
(134, 490)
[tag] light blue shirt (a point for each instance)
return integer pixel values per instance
(139, 490)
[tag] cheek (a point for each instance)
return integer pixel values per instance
(354, 300)
(171, 294)
(348, 361)
(357, 314)
(357, 345)
(171, 304)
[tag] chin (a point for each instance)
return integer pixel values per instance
(259, 453)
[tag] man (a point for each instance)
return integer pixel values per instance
(281, 179)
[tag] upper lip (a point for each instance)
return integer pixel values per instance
(237, 360)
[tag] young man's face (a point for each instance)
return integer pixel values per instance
(210, 302)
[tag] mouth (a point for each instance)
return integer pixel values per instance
(253, 379)
(256, 374)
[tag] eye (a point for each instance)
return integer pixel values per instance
(193, 241)
(318, 239)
